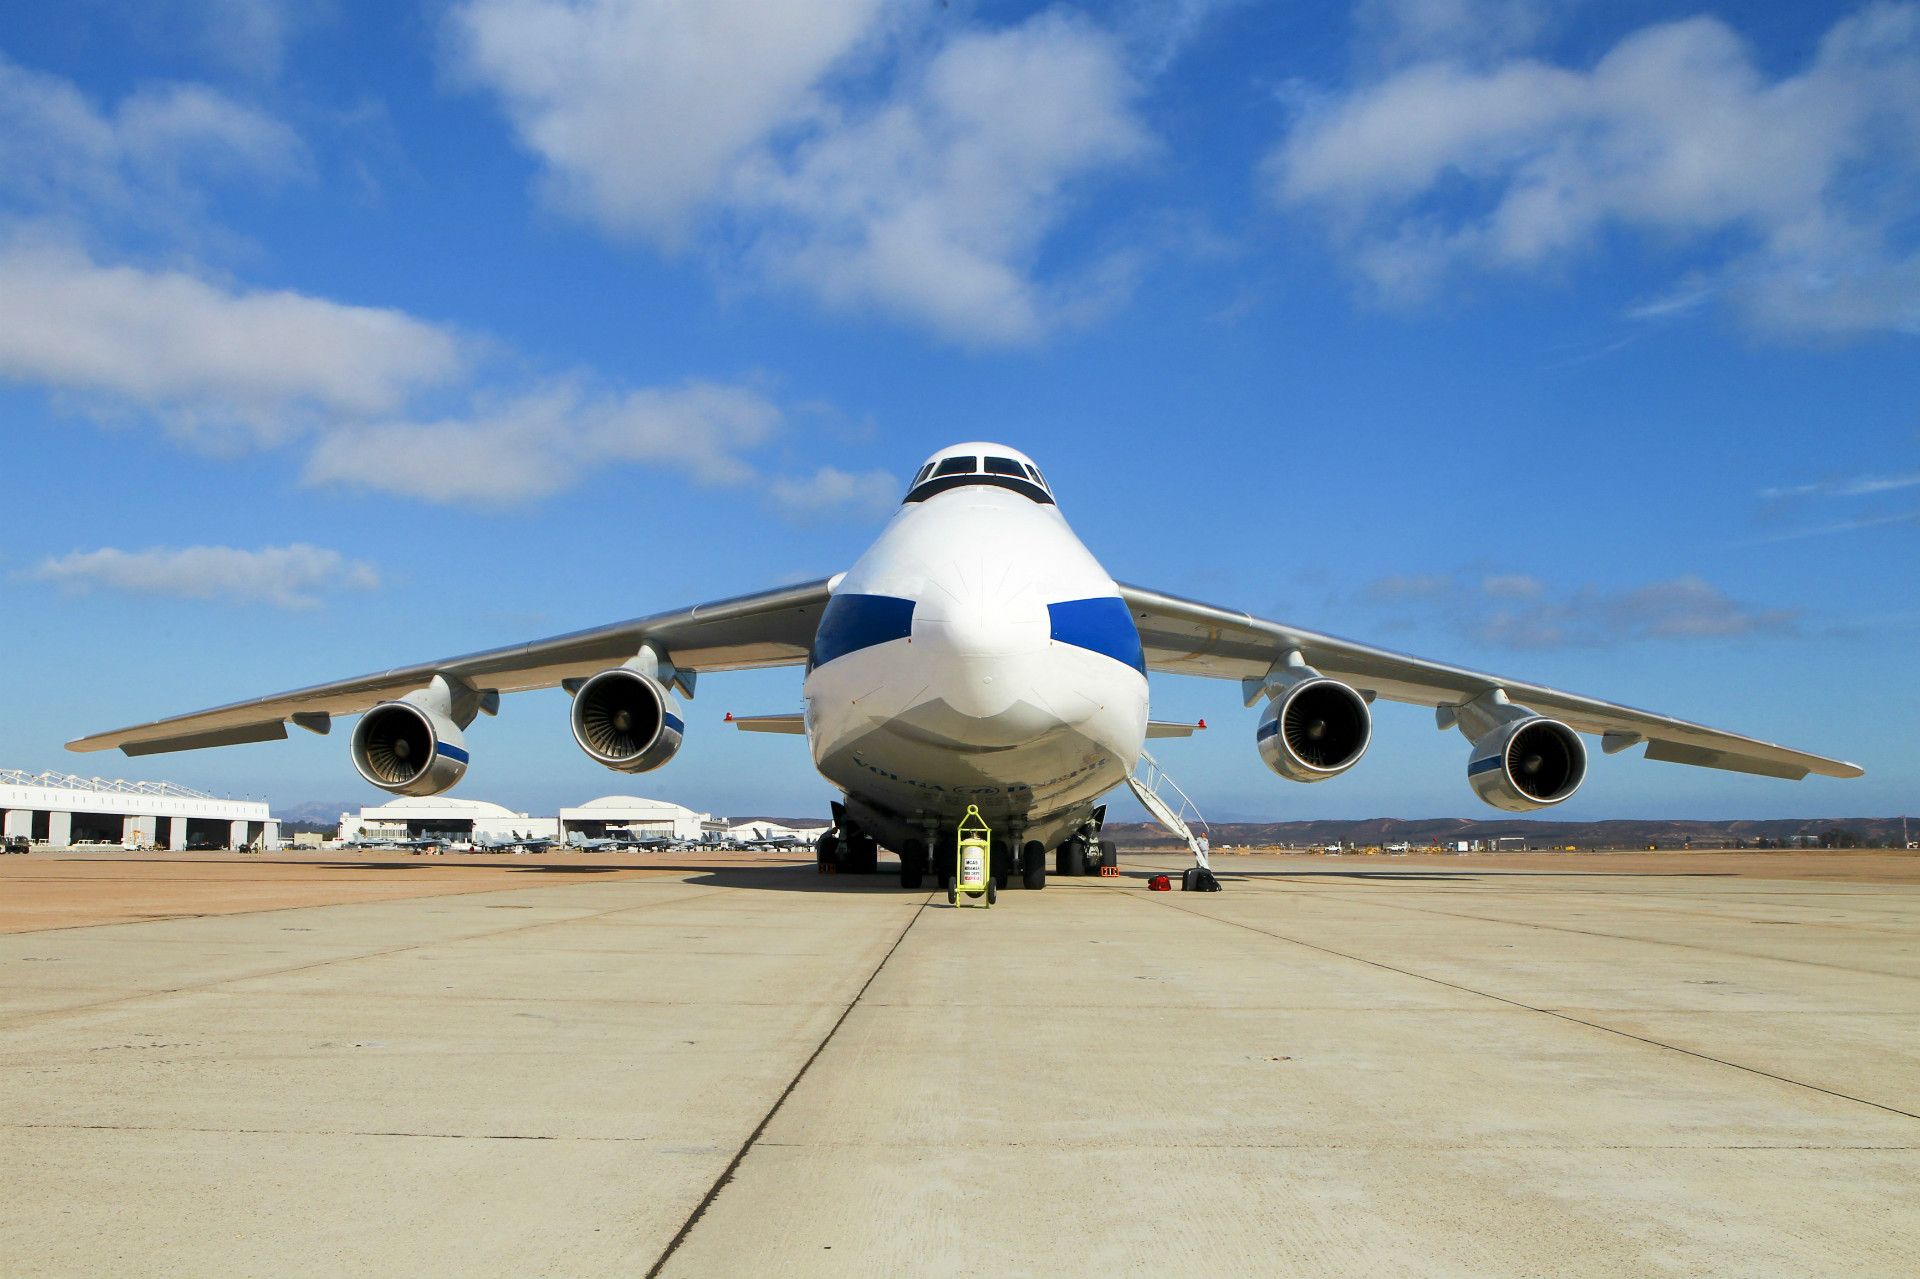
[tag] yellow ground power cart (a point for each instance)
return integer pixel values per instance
(972, 882)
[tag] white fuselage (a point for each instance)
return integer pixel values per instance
(977, 654)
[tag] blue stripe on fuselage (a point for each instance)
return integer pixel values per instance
(851, 622)
(1103, 625)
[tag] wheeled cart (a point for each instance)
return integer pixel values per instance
(972, 882)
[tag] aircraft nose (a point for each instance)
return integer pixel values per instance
(983, 629)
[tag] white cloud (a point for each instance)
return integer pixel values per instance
(833, 493)
(1512, 586)
(1401, 31)
(639, 108)
(383, 399)
(934, 206)
(930, 201)
(209, 358)
(291, 576)
(1518, 611)
(1852, 486)
(1687, 297)
(1674, 132)
(142, 161)
(250, 36)
(1899, 518)
(1409, 586)
(548, 440)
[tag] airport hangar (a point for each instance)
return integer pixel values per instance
(442, 816)
(60, 809)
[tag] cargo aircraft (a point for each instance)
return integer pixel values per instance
(976, 655)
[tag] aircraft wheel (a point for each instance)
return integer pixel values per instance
(1033, 866)
(1062, 859)
(913, 864)
(827, 853)
(1109, 854)
(860, 855)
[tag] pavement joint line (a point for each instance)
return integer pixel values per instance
(49, 1014)
(721, 1182)
(1366, 1146)
(1549, 1012)
(1644, 941)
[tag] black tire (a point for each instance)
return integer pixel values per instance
(862, 856)
(1109, 853)
(913, 865)
(953, 895)
(828, 853)
(1063, 860)
(992, 893)
(1033, 865)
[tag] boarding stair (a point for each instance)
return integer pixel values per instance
(1161, 796)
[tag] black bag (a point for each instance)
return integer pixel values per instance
(1198, 879)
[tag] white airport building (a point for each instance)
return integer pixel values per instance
(611, 816)
(58, 810)
(642, 818)
(443, 817)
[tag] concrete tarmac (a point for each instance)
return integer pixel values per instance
(1375, 1066)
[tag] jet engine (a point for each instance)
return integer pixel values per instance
(627, 720)
(1527, 763)
(408, 749)
(1314, 727)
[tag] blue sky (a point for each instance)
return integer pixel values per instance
(1564, 339)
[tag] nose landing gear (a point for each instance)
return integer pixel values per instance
(846, 852)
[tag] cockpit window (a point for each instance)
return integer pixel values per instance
(1038, 478)
(968, 471)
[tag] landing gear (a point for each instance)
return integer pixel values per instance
(863, 855)
(846, 853)
(913, 865)
(1079, 856)
(827, 852)
(1033, 865)
(1109, 856)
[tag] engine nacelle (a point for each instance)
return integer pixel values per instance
(627, 720)
(1314, 728)
(1527, 763)
(408, 749)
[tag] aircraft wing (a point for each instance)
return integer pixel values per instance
(770, 628)
(1190, 638)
